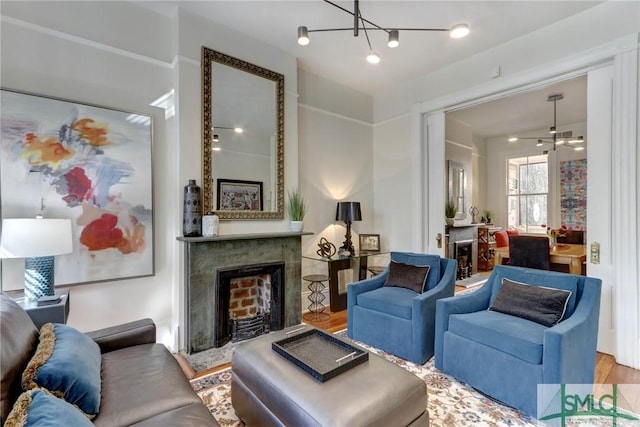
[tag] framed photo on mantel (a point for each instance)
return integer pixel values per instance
(239, 195)
(369, 243)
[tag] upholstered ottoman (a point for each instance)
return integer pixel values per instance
(267, 390)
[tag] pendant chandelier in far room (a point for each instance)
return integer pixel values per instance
(556, 137)
(360, 23)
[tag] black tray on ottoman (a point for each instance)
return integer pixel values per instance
(319, 354)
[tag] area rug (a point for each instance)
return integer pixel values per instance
(451, 403)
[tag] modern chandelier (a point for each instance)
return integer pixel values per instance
(556, 138)
(359, 23)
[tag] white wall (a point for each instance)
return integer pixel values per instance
(336, 161)
(71, 51)
(99, 53)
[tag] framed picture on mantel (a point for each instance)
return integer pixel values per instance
(239, 195)
(369, 243)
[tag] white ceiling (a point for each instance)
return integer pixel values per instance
(518, 114)
(340, 57)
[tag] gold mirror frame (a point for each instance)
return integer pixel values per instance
(208, 57)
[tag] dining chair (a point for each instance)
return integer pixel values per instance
(529, 251)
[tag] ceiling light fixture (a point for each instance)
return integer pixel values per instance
(456, 32)
(557, 138)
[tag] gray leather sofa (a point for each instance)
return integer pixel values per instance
(142, 383)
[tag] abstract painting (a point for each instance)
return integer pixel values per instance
(573, 194)
(70, 160)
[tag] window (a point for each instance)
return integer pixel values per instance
(527, 191)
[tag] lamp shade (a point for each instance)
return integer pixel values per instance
(35, 237)
(348, 212)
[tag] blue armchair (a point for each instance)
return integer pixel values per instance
(506, 356)
(398, 320)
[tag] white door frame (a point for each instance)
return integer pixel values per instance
(622, 54)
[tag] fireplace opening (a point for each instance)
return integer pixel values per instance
(249, 302)
(463, 253)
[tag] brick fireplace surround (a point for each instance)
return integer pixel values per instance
(203, 256)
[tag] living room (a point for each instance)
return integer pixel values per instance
(340, 143)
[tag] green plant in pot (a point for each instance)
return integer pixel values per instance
(488, 216)
(450, 212)
(296, 210)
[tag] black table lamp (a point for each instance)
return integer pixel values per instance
(348, 212)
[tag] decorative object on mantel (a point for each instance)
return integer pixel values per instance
(348, 212)
(192, 212)
(487, 216)
(210, 225)
(473, 211)
(296, 210)
(450, 212)
(327, 249)
(37, 240)
(457, 31)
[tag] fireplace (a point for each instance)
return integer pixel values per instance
(463, 253)
(249, 301)
(462, 245)
(204, 257)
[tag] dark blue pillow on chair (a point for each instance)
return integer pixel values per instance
(408, 276)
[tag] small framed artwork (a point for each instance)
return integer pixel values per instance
(369, 243)
(239, 195)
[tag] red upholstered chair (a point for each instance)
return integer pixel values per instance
(513, 233)
(502, 239)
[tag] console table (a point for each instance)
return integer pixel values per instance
(337, 299)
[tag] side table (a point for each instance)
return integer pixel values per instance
(54, 313)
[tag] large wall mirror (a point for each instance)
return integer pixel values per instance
(242, 138)
(456, 188)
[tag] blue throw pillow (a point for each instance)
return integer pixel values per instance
(66, 363)
(38, 408)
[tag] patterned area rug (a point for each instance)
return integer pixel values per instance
(451, 403)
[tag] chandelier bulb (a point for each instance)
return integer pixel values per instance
(303, 35)
(539, 143)
(373, 57)
(552, 130)
(216, 137)
(394, 39)
(459, 31)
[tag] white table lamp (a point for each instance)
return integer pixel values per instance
(37, 240)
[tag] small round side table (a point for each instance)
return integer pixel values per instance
(316, 297)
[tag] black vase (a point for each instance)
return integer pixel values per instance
(192, 213)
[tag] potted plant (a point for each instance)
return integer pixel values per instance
(488, 216)
(450, 212)
(296, 210)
